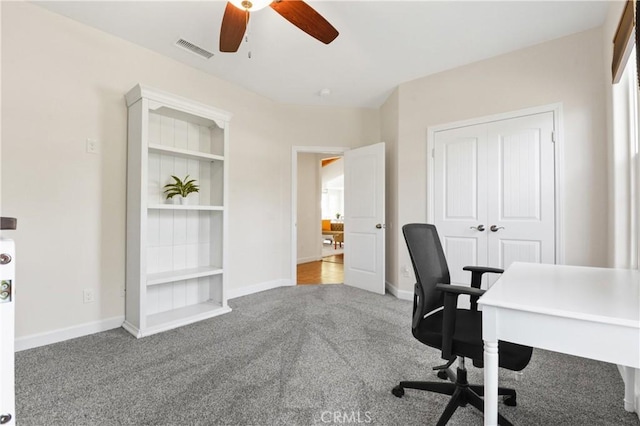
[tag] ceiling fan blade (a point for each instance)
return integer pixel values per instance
(234, 25)
(306, 18)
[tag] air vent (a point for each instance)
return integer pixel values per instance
(194, 49)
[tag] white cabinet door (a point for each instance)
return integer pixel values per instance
(494, 193)
(364, 226)
(7, 303)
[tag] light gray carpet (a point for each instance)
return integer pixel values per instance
(289, 356)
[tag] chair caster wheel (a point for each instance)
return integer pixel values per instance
(510, 401)
(442, 374)
(398, 391)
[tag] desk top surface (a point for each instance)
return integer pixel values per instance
(593, 294)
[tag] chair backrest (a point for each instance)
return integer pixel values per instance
(429, 265)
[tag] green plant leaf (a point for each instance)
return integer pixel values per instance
(180, 187)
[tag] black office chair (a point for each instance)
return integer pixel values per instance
(437, 322)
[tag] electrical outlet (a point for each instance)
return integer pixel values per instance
(88, 295)
(93, 146)
(405, 271)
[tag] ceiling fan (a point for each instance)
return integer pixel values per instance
(299, 13)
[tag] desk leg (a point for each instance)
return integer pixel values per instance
(490, 383)
(629, 386)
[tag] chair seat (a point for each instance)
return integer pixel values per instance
(465, 339)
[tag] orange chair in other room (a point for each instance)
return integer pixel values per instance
(338, 238)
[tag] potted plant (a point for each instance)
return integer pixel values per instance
(181, 188)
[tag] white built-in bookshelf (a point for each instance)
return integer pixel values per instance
(175, 272)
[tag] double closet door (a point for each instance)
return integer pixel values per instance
(494, 193)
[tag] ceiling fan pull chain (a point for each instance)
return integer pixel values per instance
(246, 34)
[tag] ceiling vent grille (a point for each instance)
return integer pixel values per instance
(184, 44)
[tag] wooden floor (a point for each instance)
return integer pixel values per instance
(330, 270)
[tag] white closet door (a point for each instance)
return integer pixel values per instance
(461, 197)
(521, 203)
(498, 174)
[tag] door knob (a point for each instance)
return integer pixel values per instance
(4, 418)
(478, 228)
(380, 226)
(496, 228)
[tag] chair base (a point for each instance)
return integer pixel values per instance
(462, 393)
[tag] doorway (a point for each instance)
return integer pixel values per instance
(320, 226)
(364, 215)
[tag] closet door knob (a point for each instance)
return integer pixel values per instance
(496, 228)
(478, 228)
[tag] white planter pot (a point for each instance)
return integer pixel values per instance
(177, 200)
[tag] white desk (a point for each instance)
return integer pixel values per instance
(589, 312)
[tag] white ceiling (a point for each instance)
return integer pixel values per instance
(381, 43)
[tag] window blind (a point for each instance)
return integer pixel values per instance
(623, 40)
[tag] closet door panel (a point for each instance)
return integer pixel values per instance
(521, 205)
(461, 197)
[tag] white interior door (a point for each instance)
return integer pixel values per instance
(494, 193)
(7, 302)
(364, 218)
(461, 197)
(521, 205)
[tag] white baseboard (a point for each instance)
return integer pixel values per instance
(400, 294)
(256, 288)
(62, 334)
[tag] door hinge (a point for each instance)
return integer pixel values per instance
(553, 137)
(433, 152)
(5, 292)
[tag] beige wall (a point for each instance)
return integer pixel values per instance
(568, 70)
(389, 122)
(64, 82)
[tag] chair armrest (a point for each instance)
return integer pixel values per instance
(476, 279)
(483, 269)
(451, 293)
(460, 289)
